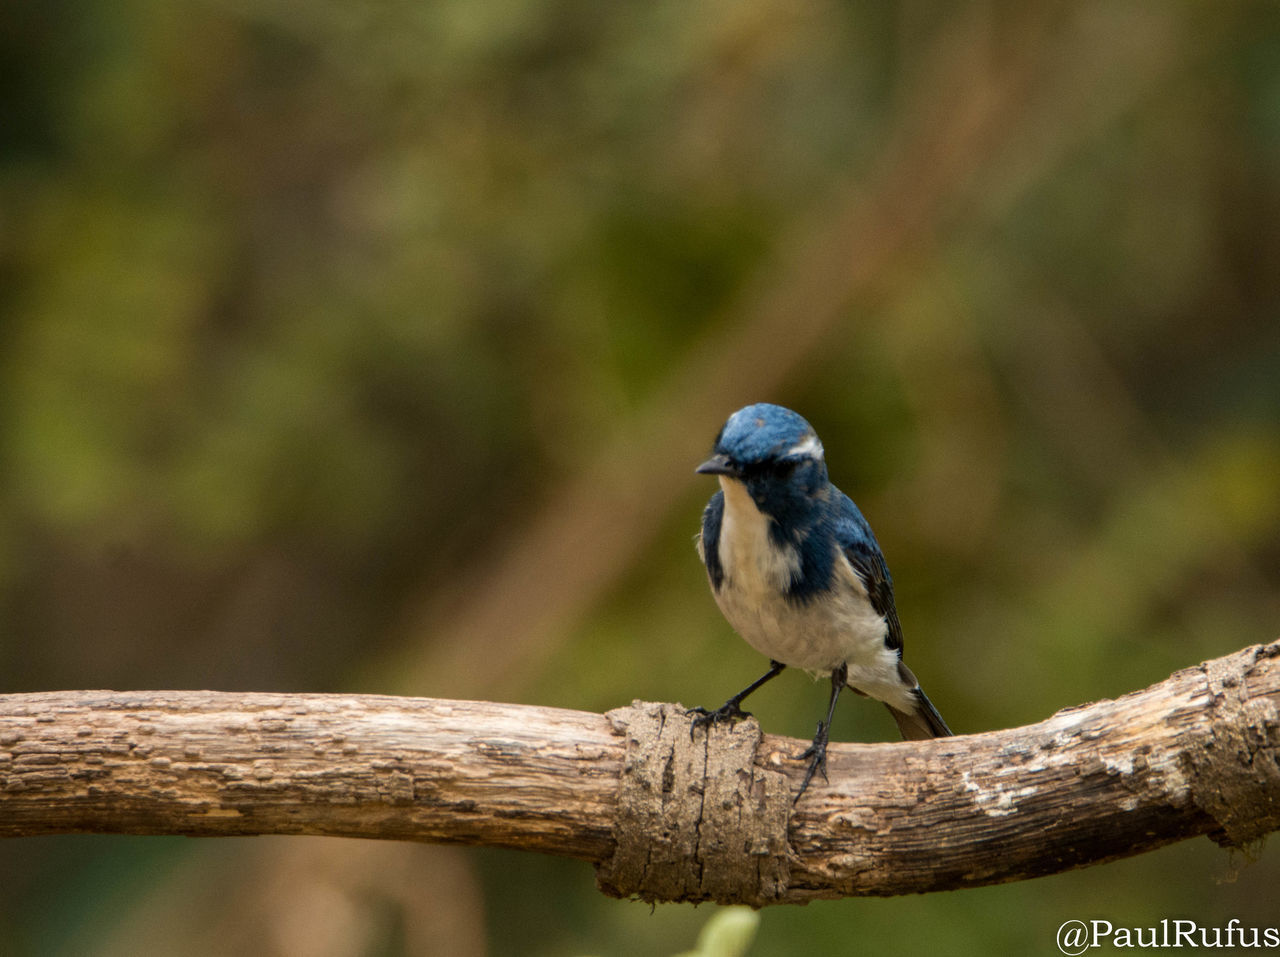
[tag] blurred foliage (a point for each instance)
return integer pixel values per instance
(324, 321)
(727, 934)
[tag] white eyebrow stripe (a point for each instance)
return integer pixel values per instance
(808, 446)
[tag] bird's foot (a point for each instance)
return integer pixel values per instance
(731, 710)
(817, 755)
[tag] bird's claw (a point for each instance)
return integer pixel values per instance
(729, 711)
(817, 755)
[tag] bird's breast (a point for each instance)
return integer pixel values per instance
(817, 634)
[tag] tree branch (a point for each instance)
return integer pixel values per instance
(663, 814)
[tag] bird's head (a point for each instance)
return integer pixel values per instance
(776, 454)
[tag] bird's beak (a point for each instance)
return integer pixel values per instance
(719, 465)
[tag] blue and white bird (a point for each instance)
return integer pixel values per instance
(799, 575)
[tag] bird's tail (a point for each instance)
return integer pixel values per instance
(923, 721)
(921, 724)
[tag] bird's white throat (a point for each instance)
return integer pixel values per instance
(752, 561)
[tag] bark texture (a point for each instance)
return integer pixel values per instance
(663, 813)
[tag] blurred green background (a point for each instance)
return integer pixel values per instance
(371, 347)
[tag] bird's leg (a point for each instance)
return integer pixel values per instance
(733, 707)
(817, 752)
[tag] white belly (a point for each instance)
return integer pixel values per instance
(817, 635)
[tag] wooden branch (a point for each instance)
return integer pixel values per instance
(662, 813)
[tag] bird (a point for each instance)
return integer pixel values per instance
(799, 575)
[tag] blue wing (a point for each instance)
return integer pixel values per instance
(858, 542)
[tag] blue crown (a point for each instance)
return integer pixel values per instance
(761, 432)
